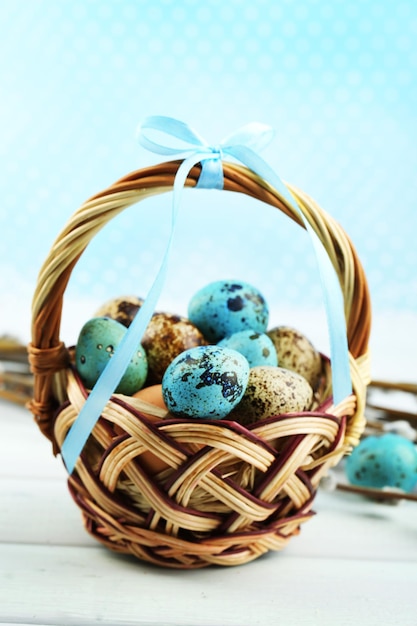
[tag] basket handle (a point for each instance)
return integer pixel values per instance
(87, 228)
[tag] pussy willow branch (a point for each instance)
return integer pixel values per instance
(13, 351)
(391, 386)
(377, 494)
(16, 381)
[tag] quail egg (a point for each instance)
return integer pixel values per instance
(379, 461)
(96, 344)
(272, 391)
(295, 352)
(165, 337)
(224, 307)
(122, 309)
(205, 382)
(256, 347)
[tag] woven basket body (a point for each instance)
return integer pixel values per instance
(222, 493)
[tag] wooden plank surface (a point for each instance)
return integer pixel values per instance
(355, 562)
(79, 585)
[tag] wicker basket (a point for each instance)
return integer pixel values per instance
(225, 494)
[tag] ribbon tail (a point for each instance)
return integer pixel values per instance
(336, 321)
(332, 293)
(114, 370)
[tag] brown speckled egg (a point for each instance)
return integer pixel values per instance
(296, 353)
(166, 336)
(272, 391)
(122, 309)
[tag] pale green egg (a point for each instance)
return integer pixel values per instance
(96, 345)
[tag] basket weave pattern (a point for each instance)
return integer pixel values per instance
(222, 493)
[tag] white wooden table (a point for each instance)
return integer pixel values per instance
(354, 563)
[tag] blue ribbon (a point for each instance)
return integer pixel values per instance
(242, 145)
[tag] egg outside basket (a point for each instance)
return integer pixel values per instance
(225, 494)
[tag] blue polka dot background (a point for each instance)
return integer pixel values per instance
(335, 79)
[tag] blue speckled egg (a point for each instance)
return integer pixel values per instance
(225, 307)
(387, 460)
(205, 382)
(258, 348)
(96, 344)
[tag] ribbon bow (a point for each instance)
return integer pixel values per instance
(242, 145)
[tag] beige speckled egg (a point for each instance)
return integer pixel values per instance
(296, 353)
(272, 391)
(166, 336)
(122, 309)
